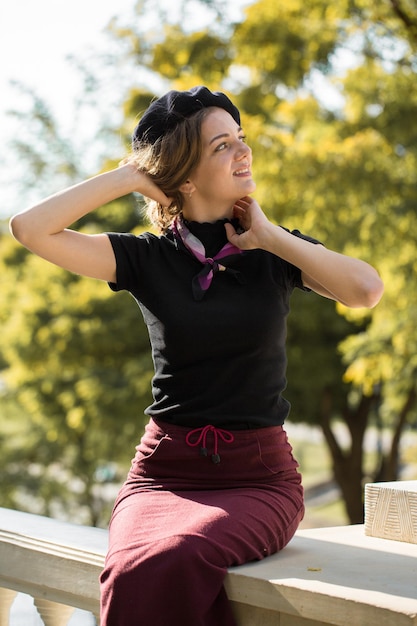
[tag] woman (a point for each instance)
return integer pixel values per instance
(213, 483)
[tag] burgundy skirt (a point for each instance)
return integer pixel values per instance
(195, 503)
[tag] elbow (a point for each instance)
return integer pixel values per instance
(372, 290)
(18, 229)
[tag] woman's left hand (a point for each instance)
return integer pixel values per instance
(253, 221)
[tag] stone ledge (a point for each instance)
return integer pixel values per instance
(391, 510)
(335, 576)
(49, 559)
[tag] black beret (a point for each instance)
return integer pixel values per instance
(166, 112)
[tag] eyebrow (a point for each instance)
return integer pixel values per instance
(222, 135)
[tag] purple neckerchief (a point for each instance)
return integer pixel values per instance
(204, 278)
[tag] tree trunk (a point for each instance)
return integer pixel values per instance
(389, 468)
(348, 461)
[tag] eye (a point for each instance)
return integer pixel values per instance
(221, 146)
(225, 144)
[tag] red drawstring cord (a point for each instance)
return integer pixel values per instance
(202, 433)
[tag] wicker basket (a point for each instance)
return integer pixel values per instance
(391, 510)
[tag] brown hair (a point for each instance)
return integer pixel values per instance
(169, 162)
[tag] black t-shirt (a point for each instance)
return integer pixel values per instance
(220, 360)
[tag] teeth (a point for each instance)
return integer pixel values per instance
(244, 171)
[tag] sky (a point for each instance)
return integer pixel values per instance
(36, 37)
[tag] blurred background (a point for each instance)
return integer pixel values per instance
(328, 96)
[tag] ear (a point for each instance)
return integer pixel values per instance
(187, 188)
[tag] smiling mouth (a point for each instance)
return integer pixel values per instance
(244, 171)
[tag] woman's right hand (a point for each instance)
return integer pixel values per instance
(145, 185)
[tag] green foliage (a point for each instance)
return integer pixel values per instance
(78, 365)
(289, 39)
(180, 55)
(314, 333)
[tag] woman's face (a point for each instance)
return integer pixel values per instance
(223, 174)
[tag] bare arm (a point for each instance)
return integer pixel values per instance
(43, 228)
(345, 279)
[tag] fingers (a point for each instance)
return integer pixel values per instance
(240, 208)
(252, 220)
(165, 201)
(155, 193)
(243, 203)
(230, 230)
(151, 190)
(146, 186)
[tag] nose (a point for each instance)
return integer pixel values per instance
(242, 151)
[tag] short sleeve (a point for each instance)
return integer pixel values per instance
(294, 273)
(131, 253)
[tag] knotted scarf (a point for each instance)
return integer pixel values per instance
(202, 281)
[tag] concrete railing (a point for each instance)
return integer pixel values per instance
(324, 576)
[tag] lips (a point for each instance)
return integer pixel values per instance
(243, 171)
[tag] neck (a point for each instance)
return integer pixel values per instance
(194, 213)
